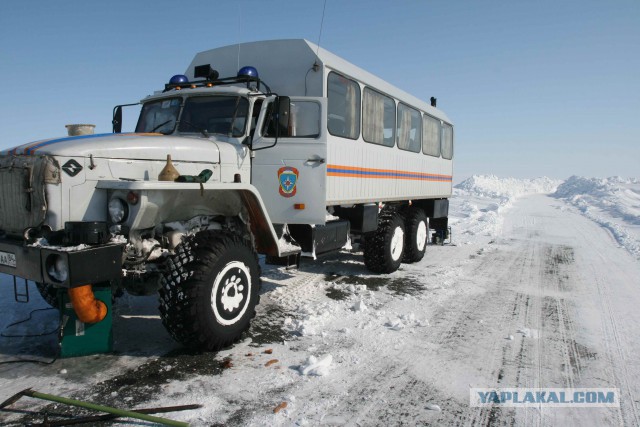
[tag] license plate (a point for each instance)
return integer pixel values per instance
(7, 258)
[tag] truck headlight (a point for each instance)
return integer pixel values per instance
(118, 210)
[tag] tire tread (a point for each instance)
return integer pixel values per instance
(376, 256)
(186, 275)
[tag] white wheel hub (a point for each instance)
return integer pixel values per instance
(231, 293)
(421, 235)
(397, 243)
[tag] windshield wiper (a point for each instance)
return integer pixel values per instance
(199, 129)
(160, 125)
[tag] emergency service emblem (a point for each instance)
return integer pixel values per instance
(288, 177)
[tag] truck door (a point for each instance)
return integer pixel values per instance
(291, 175)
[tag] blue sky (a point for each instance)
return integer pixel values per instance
(533, 87)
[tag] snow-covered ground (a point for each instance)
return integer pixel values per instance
(612, 202)
(478, 203)
(535, 291)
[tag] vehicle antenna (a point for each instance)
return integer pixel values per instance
(321, 24)
(238, 35)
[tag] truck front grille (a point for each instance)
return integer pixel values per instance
(23, 201)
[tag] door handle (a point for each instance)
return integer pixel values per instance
(315, 160)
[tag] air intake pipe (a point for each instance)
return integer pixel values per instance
(87, 307)
(80, 129)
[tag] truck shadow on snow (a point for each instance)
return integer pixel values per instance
(138, 332)
(398, 286)
(34, 336)
(340, 271)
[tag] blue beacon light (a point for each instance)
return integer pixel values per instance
(178, 79)
(248, 71)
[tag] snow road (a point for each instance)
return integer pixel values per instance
(549, 299)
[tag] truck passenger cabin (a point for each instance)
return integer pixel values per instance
(373, 143)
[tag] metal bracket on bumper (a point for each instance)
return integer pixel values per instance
(93, 264)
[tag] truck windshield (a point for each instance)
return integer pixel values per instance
(226, 115)
(159, 116)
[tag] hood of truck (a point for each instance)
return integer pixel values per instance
(125, 146)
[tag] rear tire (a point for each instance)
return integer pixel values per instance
(417, 228)
(384, 248)
(209, 290)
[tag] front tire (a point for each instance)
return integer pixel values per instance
(209, 291)
(384, 248)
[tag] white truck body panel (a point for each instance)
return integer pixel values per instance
(303, 157)
(359, 172)
(356, 171)
(129, 146)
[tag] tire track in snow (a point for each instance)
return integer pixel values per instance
(615, 344)
(561, 360)
(551, 356)
(512, 351)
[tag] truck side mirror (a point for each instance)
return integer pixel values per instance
(283, 112)
(117, 119)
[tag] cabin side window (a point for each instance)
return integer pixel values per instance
(447, 141)
(431, 136)
(343, 118)
(409, 128)
(378, 118)
(304, 121)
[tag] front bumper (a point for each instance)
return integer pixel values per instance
(91, 265)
